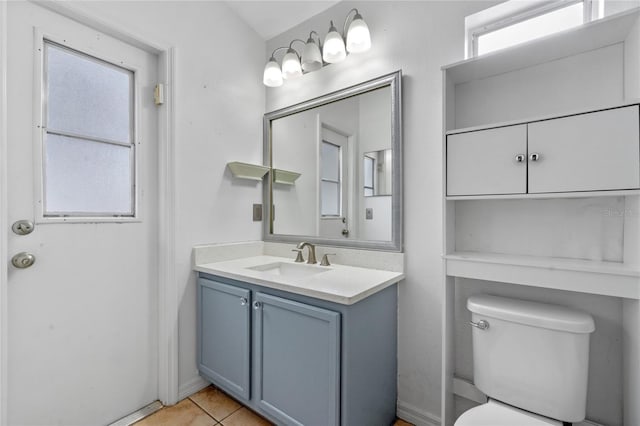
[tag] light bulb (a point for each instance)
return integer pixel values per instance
(272, 76)
(358, 36)
(311, 57)
(291, 65)
(333, 50)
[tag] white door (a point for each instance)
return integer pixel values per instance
(334, 184)
(490, 161)
(586, 152)
(82, 155)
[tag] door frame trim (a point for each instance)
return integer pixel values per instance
(4, 227)
(168, 300)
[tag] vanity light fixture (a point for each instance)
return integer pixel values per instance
(315, 55)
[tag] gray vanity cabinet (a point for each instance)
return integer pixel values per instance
(296, 361)
(224, 318)
(299, 360)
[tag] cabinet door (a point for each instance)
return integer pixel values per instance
(484, 162)
(587, 152)
(296, 361)
(224, 335)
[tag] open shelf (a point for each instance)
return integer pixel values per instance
(586, 276)
(284, 176)
(247, 171)
(594, 35)
(544, 196)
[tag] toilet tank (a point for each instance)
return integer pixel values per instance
(533, 356)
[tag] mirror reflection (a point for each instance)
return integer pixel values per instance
(377, 167)
(343, 152)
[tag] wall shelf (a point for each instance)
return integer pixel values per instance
(585, 276)
(285, 177)
(247, 171)
(545, 196)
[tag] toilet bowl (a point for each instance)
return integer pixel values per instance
(495, 413)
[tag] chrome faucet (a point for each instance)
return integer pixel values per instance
(312, 251)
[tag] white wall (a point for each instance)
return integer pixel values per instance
(417, 37)
(219, 107)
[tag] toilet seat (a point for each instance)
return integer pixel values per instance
(495, 413)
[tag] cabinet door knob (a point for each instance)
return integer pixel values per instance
(520, 158)
(243, 301)
(534, 156)
(257, 305)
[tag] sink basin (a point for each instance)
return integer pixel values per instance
(290, 270)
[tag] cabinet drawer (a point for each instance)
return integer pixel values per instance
(484, 162)
(588, 152)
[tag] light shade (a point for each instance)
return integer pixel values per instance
(291, 65)
(272, 76)
(333, 50)
(358, 36)
(311, 57)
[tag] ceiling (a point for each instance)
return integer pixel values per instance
(270, 18)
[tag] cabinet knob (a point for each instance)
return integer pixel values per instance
(243, 301)
(534, 156)
(520, 158)
(257, 305)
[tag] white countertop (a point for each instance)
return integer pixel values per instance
(340, 283)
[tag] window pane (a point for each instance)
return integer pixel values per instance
(330, 158)
(368, 172)
(330, 199)
(86, 96)
(540, 26)
(87, 177)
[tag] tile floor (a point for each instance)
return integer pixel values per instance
(210, 407)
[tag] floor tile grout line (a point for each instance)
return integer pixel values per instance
(203, 409)
(241, 406)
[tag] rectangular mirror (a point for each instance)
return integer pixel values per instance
(345, 150)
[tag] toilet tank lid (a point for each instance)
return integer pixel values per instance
(535, 314)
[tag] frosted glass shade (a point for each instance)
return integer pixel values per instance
(333, 50)
(358, 36)
(291, 65)
(311, 57)
(272, 76)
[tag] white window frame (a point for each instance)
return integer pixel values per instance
(513, 11)
(373, 176)
(39, 102)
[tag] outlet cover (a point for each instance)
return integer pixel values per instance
(257, 212)
(368, 214)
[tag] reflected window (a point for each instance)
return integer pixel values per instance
(330, 179)
(369, 179)
(88, 136)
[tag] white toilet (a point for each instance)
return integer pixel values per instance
(531, 360)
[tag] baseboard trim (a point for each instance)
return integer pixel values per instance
(192, 386)
(417, 416)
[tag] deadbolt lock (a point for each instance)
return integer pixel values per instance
(22, 227)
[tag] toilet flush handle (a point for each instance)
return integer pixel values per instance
(482, 324)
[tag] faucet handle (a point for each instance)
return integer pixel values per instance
(325, 259)
(299, 257)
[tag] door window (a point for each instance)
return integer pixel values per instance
(88, 136)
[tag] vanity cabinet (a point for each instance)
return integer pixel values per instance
(595, 151)
(298, 360)
(224, 319)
